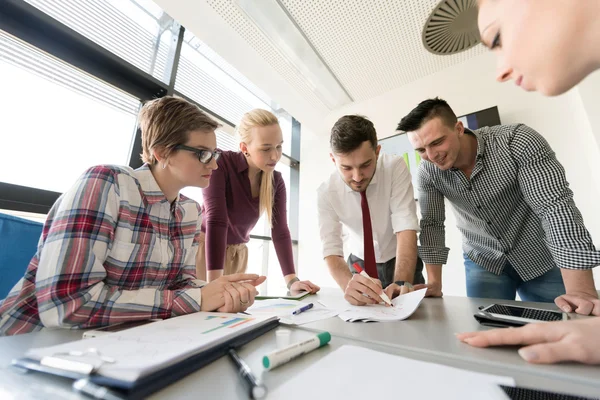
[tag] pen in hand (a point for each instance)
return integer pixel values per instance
(383, 296)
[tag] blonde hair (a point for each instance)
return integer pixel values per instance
(167, 121)
(252, 119)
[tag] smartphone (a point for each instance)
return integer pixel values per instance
(105, 330)
(509, 315)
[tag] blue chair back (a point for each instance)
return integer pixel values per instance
(18, 243)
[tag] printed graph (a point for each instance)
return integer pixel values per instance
(228, 322)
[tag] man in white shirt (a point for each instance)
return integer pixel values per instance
(377, 186)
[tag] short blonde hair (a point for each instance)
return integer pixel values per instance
(259, 118)
(167, 121)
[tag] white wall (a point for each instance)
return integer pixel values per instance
(467, 87)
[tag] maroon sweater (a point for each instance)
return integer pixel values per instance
(230, 212)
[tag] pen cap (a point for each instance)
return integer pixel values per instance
(324, 338)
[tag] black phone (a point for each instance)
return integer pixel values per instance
(504, 315)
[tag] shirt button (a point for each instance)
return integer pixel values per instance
(489, 222)
(469, 188)
(479, 206)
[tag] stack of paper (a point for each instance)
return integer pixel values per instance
(283, 309)
(403, 307)
(352, 372)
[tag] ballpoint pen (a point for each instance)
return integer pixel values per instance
(303, 308)
(255, 387)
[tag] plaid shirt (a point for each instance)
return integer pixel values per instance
(517, 207)
(113, 249)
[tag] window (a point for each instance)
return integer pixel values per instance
(61, 122)
(201, 77)
(58, 119)
(137, 31)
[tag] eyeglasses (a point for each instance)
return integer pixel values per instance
(204, 156)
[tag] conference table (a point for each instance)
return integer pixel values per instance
(428, 335)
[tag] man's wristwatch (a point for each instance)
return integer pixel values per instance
(291, 282)
(404, 283)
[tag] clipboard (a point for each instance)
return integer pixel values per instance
(152, 382)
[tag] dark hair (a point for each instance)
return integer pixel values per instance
(426, 111)
(350, 132)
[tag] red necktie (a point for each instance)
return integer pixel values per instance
(370, 263)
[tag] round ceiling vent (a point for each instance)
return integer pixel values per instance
(451, 27)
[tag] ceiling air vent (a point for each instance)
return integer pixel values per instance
(451, 27)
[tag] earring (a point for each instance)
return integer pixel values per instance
(246, 153)
(164, 165)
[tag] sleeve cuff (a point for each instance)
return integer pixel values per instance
(433, 255)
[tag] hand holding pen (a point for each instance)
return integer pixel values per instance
(362, 290)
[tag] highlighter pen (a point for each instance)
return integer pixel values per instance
(255, 387)
(280, 357)
(302, 309)
(383, 296)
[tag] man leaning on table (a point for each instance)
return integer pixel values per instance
(521, 229)
(371, 195)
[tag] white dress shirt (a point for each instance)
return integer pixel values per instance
(391, 205)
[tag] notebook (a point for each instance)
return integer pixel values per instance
(146, 358)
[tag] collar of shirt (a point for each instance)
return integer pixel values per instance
(373, 181)
(152, 192)
(480, 145)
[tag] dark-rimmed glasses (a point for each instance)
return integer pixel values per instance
(204, 156)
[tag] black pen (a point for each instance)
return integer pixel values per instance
(255, 387)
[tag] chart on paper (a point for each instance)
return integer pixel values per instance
(142, 348)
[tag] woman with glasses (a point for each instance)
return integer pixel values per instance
(121, 244)
(244, 187)
(548, 46)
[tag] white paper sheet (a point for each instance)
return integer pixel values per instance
(403, 307)
(353, 372)
(283, 309)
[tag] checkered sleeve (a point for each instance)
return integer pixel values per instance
(71, 285)
(546, 190)
(432, 249)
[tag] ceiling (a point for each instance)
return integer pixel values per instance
(371, 46)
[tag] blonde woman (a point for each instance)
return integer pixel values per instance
(548, 46)
(121, 244)
(244, 187)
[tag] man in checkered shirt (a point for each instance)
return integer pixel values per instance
(521, 229)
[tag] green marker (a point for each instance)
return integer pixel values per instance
(280, 357)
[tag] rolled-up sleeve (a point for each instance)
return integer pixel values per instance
(330, 227)
(402, 203)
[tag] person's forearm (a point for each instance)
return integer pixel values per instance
(406, 256)
(434, 273)
(213, 274)
(579, 280)
(339, 270)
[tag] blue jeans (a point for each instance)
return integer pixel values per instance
(482, 283)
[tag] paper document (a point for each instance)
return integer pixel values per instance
(352, 372)
(283, 309)
(148, 348)
(403, 307)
